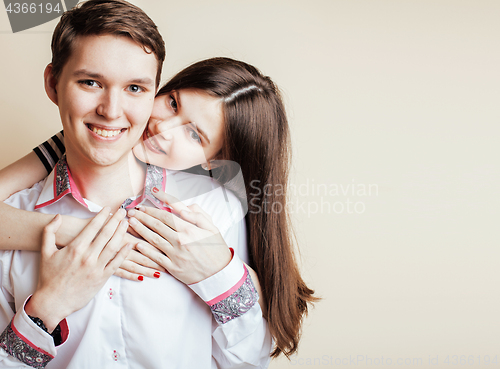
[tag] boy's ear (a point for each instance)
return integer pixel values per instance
(50, 84)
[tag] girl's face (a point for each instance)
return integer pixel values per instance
(185, 129)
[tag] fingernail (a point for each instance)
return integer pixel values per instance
(131, 212)
(121, 212)
(155, 190)
(157, 274)
(141, 208)
(141, 278)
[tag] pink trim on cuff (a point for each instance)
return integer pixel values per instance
(217, 285)
(230, 291)
(27, 341)
(64, 330)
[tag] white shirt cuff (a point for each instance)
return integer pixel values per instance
(222, 284)
(32, 334)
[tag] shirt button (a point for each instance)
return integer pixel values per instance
(116, 355)
(110, 293)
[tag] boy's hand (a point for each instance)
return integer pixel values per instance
(70, 277)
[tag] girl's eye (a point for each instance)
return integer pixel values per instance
(135, 88)
(89, 83)
(194, 136)
(173, 103)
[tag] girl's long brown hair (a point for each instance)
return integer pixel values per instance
(257, 138)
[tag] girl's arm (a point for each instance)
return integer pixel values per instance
(21, 174)
(20, 229)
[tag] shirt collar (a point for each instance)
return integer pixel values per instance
(60, 183)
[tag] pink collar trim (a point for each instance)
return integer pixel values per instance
(63, 184)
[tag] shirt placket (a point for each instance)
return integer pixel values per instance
(115, 348)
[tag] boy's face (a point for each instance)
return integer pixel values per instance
(105, 96)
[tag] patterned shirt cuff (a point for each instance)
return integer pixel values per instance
(230, 293)
(28, 343)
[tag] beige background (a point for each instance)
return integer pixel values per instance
(399, 95)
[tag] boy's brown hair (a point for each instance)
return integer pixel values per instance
(101, 17)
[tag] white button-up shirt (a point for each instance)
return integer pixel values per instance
(157, 323)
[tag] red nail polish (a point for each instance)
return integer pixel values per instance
(155, 190)
(157, 274)
(141, 278)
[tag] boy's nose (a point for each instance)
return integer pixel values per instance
(110, 106)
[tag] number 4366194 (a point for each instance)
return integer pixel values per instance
(25, 8)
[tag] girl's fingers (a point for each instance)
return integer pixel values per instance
(134, 271)
(108, 231)
(92, 229)
(173, 202)
(153, 230)
(196, 208)
(115, 263)
(185, 214)
(125, 274)
(199, 220)
(137, 258)
(167, 218)
(154, 255)
(113, 246)
(155, 236)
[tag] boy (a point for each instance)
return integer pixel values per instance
(106, 66)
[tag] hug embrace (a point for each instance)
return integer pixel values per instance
(154, 258)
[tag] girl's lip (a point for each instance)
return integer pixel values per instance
(151, 143)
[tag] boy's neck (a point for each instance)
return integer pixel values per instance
(109, 185)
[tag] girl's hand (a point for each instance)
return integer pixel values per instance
(137, 266)
(192, 249)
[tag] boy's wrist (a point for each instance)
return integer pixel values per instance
(40, 306)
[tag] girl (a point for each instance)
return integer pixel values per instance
(227, 111)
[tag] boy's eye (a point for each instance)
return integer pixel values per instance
(135, 88)
(89, 83)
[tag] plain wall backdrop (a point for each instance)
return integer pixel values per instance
(393, 107)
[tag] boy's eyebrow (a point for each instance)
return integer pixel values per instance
(142, 81)
(87, 74)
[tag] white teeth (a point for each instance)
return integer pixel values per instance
(105, 133)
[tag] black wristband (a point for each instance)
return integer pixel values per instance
(56, 334)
